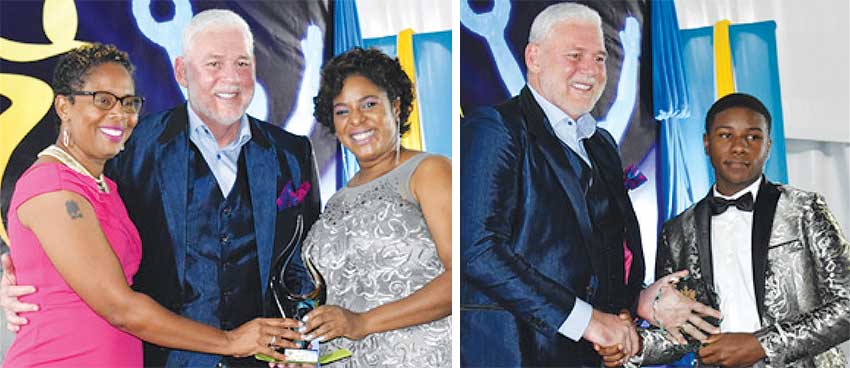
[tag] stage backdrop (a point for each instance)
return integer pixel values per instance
(493, 39)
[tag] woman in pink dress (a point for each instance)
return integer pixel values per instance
(71, 237)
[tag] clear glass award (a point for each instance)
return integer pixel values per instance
(294, 295)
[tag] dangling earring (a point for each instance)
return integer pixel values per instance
(66, 138)
(398, 141)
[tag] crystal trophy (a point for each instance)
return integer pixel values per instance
(294, 297)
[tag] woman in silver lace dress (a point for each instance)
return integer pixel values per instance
(383, 243)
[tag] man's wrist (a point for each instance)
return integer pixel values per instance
(644, 307)
(578, 321)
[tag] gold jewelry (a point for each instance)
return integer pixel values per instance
(66, 158)
(66, 138)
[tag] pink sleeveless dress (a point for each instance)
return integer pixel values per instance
(66, 332)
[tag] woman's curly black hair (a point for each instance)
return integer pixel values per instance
(382, 70)
(73, 67)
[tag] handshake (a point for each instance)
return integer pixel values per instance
(676, 314)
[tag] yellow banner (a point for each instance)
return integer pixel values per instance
(723, 74)
(413, 138)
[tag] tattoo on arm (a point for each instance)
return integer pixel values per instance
(73, 209)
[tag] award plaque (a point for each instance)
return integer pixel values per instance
(294, 296)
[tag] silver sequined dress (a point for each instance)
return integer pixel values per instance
(372, 247)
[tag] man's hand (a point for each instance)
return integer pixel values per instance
(732, 350)
(675, 312)
(9, 293)
(615, 356)
(609, 330)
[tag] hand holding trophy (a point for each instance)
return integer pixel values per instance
(294, 296)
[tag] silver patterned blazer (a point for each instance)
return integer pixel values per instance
(801, 272)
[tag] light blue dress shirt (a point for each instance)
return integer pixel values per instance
(568, 131)
(571, 133)
(223, 162)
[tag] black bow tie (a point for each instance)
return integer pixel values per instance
(719, 205)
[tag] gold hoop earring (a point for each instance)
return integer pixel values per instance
(66, 138)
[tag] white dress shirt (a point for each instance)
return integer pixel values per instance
(732, 264)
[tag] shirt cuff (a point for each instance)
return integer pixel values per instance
(577, 321)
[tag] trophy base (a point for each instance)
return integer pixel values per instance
(301, 356)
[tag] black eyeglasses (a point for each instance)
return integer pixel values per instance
(106, 100)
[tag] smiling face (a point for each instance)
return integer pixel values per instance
(567, 67)
(738, 144)
(219, 74)
(97, 135)
(365, 120)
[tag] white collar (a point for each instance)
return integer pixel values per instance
(752, 188)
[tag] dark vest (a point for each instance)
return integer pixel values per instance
(608, 234)
(222, 278)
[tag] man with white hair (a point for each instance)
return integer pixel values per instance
(213, 192)
(551, 256)
(545, 218)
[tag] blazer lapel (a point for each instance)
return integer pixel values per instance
(702, 221)
(261, 163)
(554, 153)
(764, 211)
(173, 174)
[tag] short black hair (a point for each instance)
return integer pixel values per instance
(382, 70)
(736, 100)
(72, 69)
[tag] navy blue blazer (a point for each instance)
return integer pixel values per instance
(152, 177)
(526, 239)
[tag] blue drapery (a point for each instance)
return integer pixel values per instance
(669, 82)
(686, 173)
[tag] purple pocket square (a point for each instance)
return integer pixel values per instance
(290, 197)
(633, 177)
